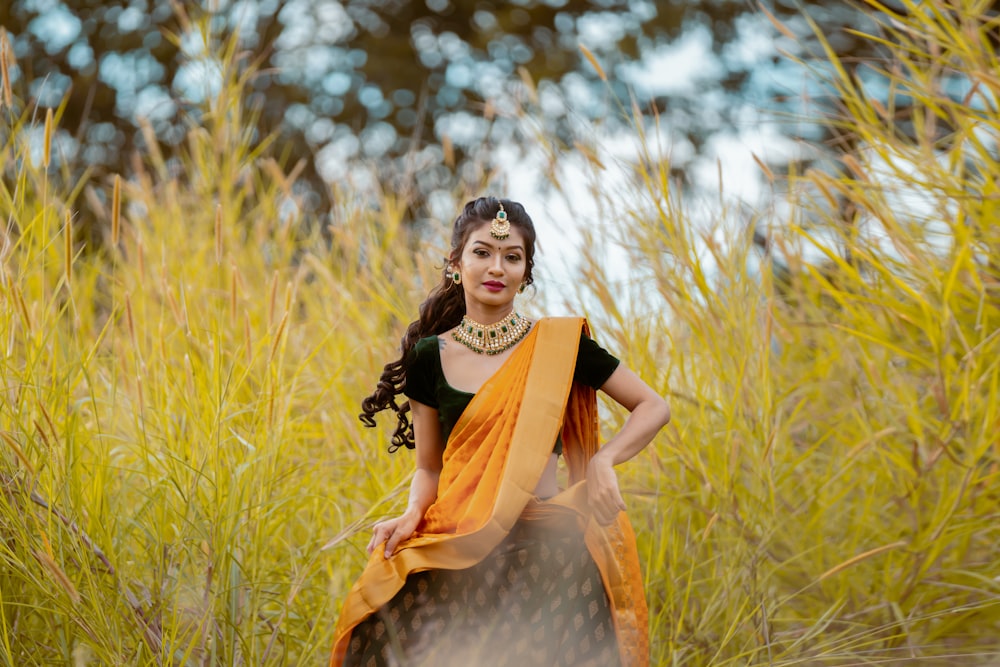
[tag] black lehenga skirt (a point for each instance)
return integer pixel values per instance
(537, 600)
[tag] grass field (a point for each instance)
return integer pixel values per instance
(180, 382)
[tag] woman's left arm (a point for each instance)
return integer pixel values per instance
(649, 413)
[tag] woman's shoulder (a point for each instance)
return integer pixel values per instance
(423, 368)
(424, 353)
(427, 343)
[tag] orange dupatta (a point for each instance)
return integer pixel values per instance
(490, 468)
(613, 547)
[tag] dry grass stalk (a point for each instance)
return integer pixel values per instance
(588, 54)
(232, 295)
(22, 309)
(218, 234)
(16, 448)
(116, 207)
(277, 338)
(247, 339)
(140, 259)
(860, 557)
(68, 247)
(129, 320)
(8, 96)
(781, 27)
(47, 139)
(60, 577)
(272, 301)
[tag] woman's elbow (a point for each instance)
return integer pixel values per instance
(662, 412)
(655, 411)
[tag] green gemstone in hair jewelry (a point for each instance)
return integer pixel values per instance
(500, 226)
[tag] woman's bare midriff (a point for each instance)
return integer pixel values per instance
(547, 485)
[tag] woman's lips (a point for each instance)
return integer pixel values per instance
(493, 286)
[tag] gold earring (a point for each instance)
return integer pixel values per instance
(523, 286)
(456, 277)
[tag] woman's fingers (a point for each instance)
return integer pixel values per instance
(606, 503)
(393, 541)
(606, 515)
(604, 495)
(377, 538)
(391, 533)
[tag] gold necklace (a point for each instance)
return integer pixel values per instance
(491, 338)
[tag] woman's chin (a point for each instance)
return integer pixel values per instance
(493, 299)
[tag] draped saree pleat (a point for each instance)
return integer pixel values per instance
(492, 463)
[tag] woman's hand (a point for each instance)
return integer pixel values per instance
(393, 531)
(649, 413)
(602, 490)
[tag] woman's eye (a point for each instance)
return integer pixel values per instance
(513, 258)
(480, 253)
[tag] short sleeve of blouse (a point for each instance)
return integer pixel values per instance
(421, 372)
(594, 364)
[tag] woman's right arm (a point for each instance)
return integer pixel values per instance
(423, 487)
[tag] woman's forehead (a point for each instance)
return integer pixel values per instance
(482, 236)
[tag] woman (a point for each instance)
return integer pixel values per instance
(491, 563)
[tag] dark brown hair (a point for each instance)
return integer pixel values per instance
(443, 309)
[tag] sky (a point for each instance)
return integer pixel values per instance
(728, 154)
(722, 175)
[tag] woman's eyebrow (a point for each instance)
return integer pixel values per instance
(490, 245)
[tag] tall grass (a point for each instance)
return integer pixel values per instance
(178, 406)
(827, 492)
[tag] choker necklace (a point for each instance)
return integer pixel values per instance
(491, 338)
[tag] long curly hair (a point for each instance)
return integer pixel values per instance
(442, 310)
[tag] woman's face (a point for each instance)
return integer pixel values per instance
(492, 270)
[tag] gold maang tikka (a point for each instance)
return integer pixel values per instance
(500, 227)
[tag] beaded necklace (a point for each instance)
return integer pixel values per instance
(492, 338)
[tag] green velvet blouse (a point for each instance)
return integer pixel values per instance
(425, 381)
